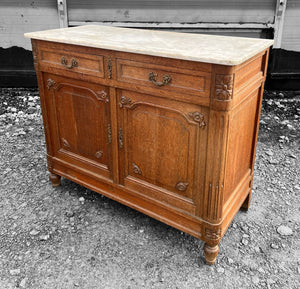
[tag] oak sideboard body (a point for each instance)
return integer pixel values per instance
(165, 123)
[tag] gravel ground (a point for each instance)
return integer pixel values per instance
(71, 237)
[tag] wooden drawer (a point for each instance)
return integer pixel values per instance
(166, 78)
(71, 61)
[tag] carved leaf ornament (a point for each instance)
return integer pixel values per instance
(212, 234)
(224, 84)
(65, 143)
(50, 83)
(181, 186)
(124, 101)
(102, 95)
(136, 169)
(99, 154)
(197, 117)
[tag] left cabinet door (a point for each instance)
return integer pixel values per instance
(78, 117)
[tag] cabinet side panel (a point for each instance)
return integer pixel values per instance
(49, 147)
(241, 140)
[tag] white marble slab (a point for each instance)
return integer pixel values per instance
(197, 47)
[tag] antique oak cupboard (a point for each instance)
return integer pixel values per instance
(165, 123)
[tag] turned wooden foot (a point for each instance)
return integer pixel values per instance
(245, 206)
(55, 179)
(211, 253)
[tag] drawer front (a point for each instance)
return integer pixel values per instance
(173, 79)
(71, 61)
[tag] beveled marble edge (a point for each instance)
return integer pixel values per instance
(225, 50)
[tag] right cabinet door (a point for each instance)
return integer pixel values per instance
(162, 147)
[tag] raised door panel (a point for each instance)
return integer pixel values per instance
(79, 123)
(159, 148)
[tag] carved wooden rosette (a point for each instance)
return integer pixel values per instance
(50, 83)
(198, 117)
(102, 95)
(212, 234)
(124, 101)
(99, 154)
(136, 169)
(181, 186)
(224, 86)
(65, 143)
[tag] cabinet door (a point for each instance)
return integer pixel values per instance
(162, 148)
(78, 116)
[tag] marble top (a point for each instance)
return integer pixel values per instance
(224, 50)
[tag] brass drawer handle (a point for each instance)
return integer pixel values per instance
(64, 62)
(166, 79)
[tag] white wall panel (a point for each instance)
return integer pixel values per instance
(19, 17)
(191, 11)
(291, 26)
